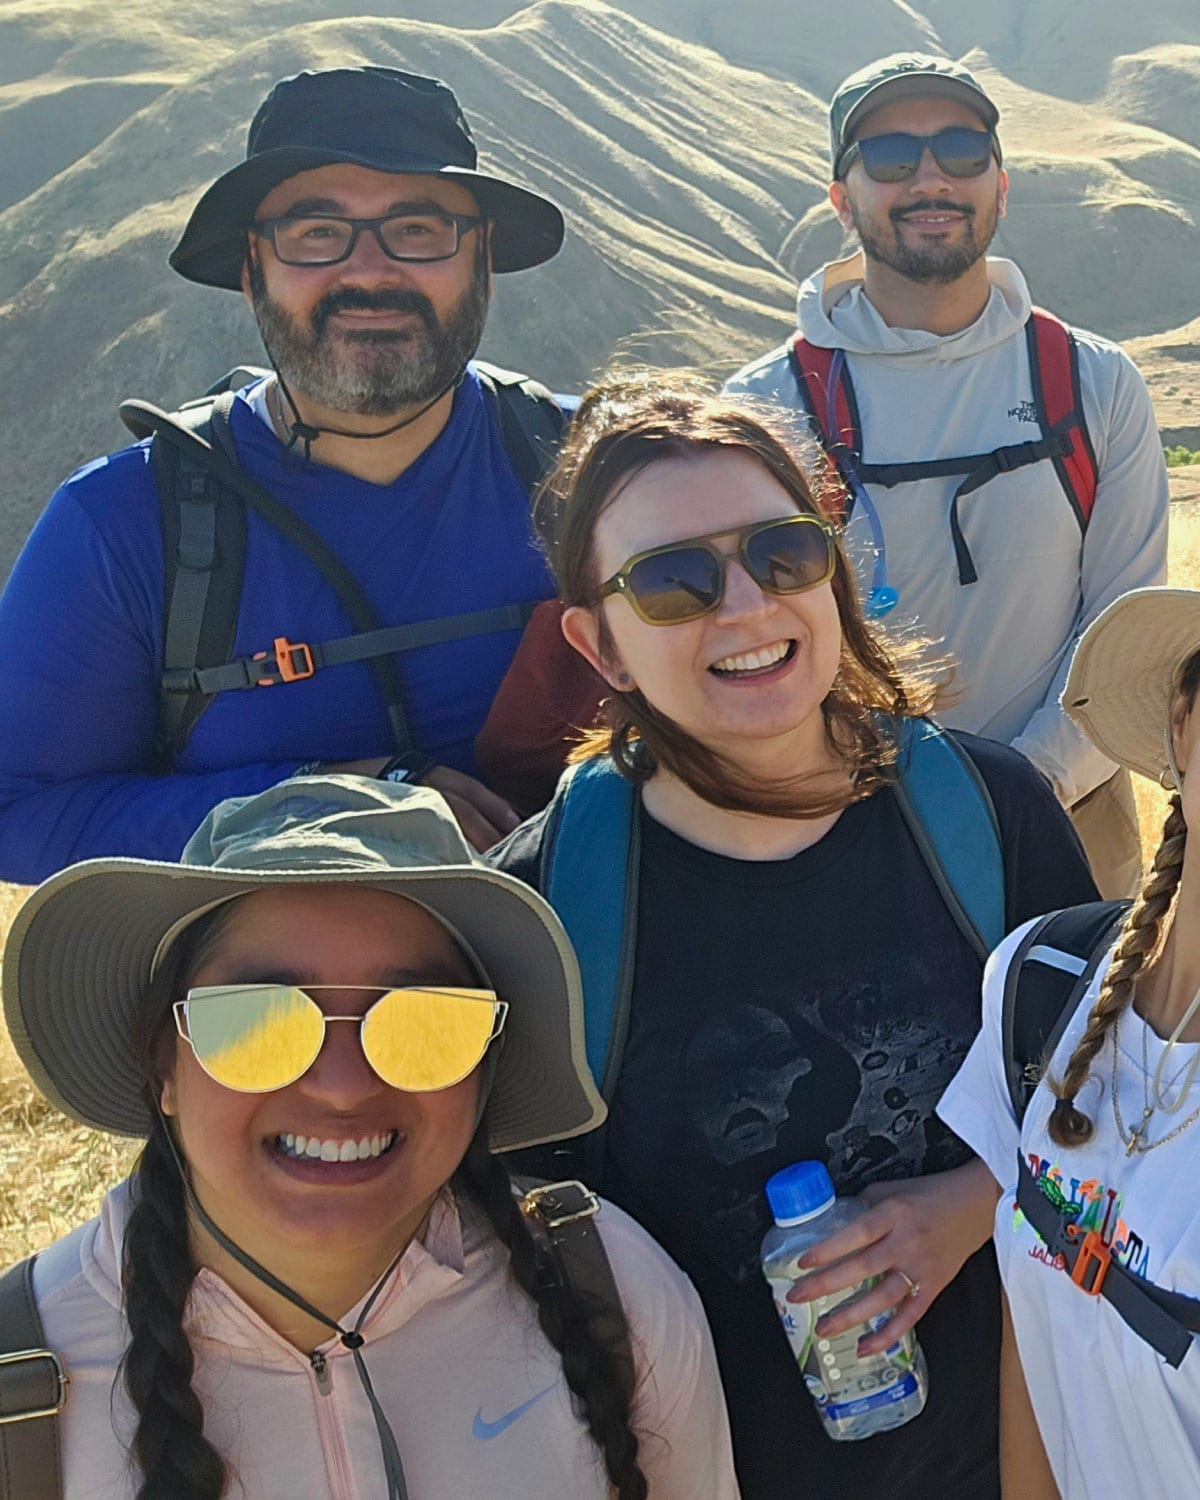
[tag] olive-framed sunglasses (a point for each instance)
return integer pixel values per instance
(684, 580)
(896, 155)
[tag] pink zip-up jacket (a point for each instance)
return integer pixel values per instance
(473, 1390)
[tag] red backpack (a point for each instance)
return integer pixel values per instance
(827, 395)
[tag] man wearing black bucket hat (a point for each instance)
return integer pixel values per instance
(352, 530)
(1003, 473)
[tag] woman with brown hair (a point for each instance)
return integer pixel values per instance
(1096, 1188)
(799, 987)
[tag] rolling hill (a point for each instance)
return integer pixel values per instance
(685, 139)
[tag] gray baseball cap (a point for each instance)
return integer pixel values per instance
(83, 948)
(903, 75)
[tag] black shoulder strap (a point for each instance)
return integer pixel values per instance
(33, 1387)
(1048, 976)
(565, 1215)
(221, 466)
(1167, 1320)
(532, 422)
(204, 549)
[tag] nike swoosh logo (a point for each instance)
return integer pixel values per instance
(485, 1431)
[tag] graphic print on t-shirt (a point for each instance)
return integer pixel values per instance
(1089, 1204)
(844, 1073)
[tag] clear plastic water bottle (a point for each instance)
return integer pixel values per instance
(856, 1397)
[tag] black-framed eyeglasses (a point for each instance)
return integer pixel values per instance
(326, 239)
(686, 579)
(896, 155)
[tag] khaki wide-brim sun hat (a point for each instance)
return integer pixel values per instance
(82, 949)
(1125, 673)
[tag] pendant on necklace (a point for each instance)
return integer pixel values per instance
(1137, 1135)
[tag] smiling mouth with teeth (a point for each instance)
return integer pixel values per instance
(312, 1148)
(748, 664)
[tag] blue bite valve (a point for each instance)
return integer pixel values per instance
(881, 601)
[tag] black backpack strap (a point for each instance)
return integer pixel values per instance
(204, 548)
(222, 467)
(1048, 975)
(564, 1214)
(532, 422)
(33, 1390)
(294, 661)
(1166, 1320)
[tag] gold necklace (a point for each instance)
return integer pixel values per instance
(1135, 1140)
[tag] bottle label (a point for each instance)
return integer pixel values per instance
(840, 1380)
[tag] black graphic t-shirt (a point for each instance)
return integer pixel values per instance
(816, 1008)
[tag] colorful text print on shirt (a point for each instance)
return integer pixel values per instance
(1090, 1205)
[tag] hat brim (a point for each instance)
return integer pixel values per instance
(80, 953)
(918, 85)
(1125, 671)
(527, 229)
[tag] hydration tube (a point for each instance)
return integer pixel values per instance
(882, 597)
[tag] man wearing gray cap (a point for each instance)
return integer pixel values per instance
(351, 532)
(1003, 474)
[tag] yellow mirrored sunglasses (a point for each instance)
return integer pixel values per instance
(259, 1037)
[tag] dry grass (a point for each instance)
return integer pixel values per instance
(53, 1172)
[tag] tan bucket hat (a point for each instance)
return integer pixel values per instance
(1125, 672)
(83, 947)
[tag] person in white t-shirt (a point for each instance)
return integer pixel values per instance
(319, 1281)
(1111, 1137)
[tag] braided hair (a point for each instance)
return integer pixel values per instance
(578, 1326)
(176, 1460)
(1141, 937)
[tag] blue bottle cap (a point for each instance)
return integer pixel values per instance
(799, 1191)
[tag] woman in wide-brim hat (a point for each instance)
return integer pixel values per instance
(318, 1280)
(1096, 1178)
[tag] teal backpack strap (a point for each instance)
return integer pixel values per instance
(950, 815)
(589, 876)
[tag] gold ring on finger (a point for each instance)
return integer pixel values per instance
(914, 1287)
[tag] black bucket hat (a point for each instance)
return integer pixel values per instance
(378, 118)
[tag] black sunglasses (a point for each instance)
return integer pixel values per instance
(684, 580)
(896, 156)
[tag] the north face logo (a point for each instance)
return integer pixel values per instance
(1025, 411)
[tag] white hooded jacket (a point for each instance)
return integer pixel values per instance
(1041, 581)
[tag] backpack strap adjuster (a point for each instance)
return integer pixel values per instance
(559, 1203)
(1092, 1262)
(293, 661)
(36, 1393)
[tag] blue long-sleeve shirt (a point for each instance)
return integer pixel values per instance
(82, 621)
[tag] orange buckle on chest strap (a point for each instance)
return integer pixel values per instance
(1092, 1262)
(293, 662)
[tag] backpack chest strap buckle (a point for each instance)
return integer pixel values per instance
(293, 662)
(1091, 1262)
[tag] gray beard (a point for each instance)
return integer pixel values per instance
(930, 264)
(372, 372)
